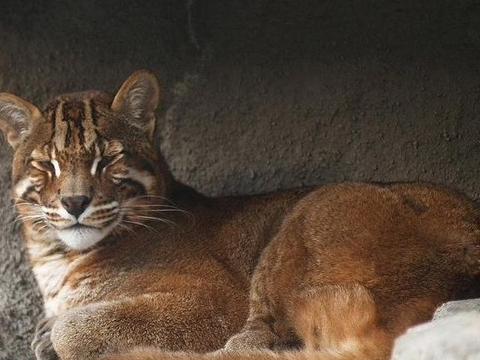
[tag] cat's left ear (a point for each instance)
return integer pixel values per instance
(16, 118)
(138, 98)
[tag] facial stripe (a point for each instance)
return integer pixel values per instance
(26, 190)
(54, 162)
(73, 124)
(93, 169)
(22, 187)
(94, 113)
(60, 132)
(108, 163)
(145, 178)
(138, 187)
(96, 161)
(93, 209)
(56, 167)
(60, 211)
(50, 112)
(73, 115)
(90, 133)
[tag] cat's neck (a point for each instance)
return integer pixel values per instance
(42, 246)
(52, 261)
(51, 264)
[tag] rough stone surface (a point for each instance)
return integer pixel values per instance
(260, 95)
(451, 338)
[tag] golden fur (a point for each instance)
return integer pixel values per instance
(352, 267)
(126, 257)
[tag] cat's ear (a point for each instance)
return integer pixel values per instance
(138, 98)
(16, 118)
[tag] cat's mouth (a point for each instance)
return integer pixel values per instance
(80, 237)
(80, 226)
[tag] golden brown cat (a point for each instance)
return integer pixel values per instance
(353, 266)
(127, 257)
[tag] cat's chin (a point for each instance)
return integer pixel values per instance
(82, 237)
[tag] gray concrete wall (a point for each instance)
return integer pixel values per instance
(261, 95)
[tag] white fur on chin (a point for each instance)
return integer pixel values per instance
(82, 238)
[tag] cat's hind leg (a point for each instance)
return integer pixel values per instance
(340, 319)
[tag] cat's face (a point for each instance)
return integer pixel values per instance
(86, 165)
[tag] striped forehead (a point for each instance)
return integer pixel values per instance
(73, 124)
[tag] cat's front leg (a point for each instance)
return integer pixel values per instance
(42, 343)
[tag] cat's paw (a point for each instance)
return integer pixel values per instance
(42, 344)
(249, 340)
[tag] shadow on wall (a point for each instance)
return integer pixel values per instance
(260, 95)
(278, 93)
(300, 93)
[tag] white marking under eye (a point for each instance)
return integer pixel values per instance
(93, 170)
(56, 167)
(142, 177)
(22, 186)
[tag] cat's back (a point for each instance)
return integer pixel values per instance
(377, 234)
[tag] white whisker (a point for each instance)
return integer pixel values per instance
(155, 219)
(156, 210)
(140, 224)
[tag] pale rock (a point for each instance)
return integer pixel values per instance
(455, 307)
(455, 337)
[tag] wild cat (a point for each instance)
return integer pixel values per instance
(338, 270)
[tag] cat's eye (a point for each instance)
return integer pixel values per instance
(126, 183)
(117, 180)
(45, 166)
(100, 165)
(51, 167)
(119, 176)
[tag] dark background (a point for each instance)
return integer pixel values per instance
(260, 95)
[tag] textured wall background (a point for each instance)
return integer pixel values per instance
(261, 95)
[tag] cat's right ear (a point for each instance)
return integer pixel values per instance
(16, 118)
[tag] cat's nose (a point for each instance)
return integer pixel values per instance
(75, 205)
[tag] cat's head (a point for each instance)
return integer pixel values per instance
(84, 165)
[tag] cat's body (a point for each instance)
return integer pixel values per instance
(214, 238)
(127, 257)
(351, 268)
(192, 274)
